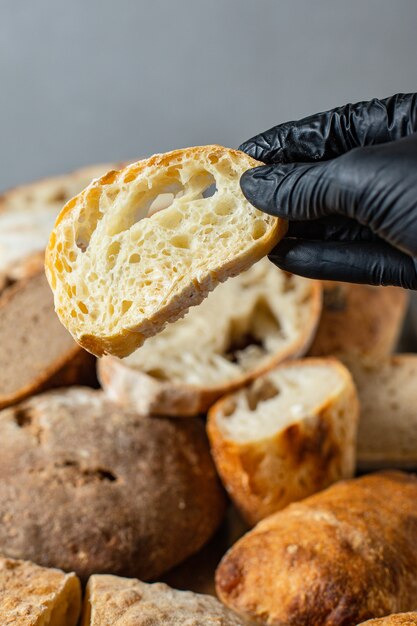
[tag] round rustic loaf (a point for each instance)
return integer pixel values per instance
(89, 487)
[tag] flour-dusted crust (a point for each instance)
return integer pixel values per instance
(128, 602)
(243, 328)
(36, 596)
(89, 487)
(139, 246)
(398, 619)
(339, 557)
(359, 322)
(28, 213)
(288, 435)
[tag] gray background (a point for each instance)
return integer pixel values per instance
(96, 80)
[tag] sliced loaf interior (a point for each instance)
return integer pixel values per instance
(138, 247)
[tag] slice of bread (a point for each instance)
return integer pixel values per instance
(359, 322)
(89, 487)
(28, 212)
(387, 435)
(36, 596)
(36, 352)
(130, 602)
(288, 435)
(244, 328)
(334, 559)
(140, 246)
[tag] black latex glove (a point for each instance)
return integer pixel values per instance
(346, 180)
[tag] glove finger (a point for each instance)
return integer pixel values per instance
(373, 263)
(297, 192)
(332, 228)
(331, 133)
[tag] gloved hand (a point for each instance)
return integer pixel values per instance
(346, 180)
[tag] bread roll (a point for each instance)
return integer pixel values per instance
(118, 278)
(288, 435)
(359, 322)
(89, 487)
(35, 596)
(128, 602)
(339, 557)
(387, 435)
(244, 327)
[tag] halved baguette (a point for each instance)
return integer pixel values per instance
(129, 602)
(359, 322)
(340, 557)
(36, 352)
(288, 435)
(37, 596)
(118, 278)
(28, 213)
(244, 328)
(387, 435)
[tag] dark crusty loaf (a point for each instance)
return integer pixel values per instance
(128, 602)
(89, 487)
(359, 322)
(335, 559)
(36, 596)
(36, 352)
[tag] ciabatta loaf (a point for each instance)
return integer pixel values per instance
(398, 619)
(339, 557)
(90, 487)
(36, 596)
(359, 322)
(128, 602)
(290, 434)
(387, 435)
(28, 213)
(36, 351)
(244, 328)
(139, 246)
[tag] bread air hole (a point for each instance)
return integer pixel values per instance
(261, 390)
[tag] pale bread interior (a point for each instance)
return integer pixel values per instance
(28, 213)
(241, 324)
(285, 396)
(112, 270)
(48, 596)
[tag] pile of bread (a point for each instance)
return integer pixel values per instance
(268, 397)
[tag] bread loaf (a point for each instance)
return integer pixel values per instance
(359, 322)
(290, 434)
(128, 602)
(387, 435)
(398, 619)
(244, 327)
(28, 213)
(35, 596)
(89, 487)
(339, 557)
(36, 352)
(139, 246)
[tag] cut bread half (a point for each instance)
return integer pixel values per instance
(36, 352)
(28, 213)
(359, 322)
(129, 602)
(139, 246)
(288, 435)
(37, 596)
(387, 435)
(245, 327)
